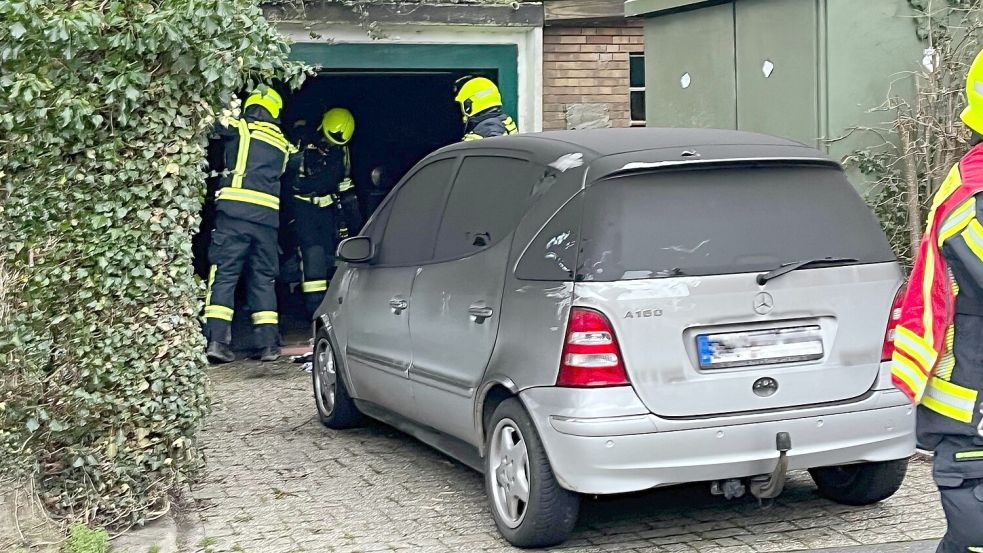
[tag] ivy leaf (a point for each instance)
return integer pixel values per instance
(98, 99)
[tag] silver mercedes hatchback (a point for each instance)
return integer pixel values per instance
(601, 312)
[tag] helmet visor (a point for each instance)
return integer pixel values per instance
(338, 136)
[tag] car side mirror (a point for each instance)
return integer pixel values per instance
(358, 249)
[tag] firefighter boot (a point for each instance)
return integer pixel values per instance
(219, 353)
(269, 354)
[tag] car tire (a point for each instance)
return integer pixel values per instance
(860, 484)
(335, 408)
(550, 512)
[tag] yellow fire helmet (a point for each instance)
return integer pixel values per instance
(477, 95)
(338, 126)
(266, 97)
(973, 114)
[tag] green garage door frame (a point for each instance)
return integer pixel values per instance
(501, 57)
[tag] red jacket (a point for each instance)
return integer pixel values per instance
(928, 309)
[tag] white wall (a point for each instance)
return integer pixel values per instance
(529, 41)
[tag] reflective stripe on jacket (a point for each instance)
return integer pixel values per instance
(256, 154)
(929, 305)
(490, 124)
(324, 172)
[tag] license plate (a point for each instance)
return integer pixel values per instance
(760, 347)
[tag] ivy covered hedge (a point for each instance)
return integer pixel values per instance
(105, 107)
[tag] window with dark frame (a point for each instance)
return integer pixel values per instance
(636, 88)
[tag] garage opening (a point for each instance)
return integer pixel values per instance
(401, 116)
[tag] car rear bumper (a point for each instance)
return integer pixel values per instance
(625, 453)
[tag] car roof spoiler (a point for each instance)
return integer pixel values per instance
(636, 167)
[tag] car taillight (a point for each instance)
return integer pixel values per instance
(591, 355)
(892, 324)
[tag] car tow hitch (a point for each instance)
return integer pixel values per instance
(770, 486)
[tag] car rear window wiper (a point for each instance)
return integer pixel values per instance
(787, 268)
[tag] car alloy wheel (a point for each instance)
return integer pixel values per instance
(326, 377)
(510, 478)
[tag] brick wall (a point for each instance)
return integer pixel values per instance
(588, 65)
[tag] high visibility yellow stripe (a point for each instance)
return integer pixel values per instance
(320, 201)
(976, 549)
(510, 126)
(242, 155)
(910, 374)
(211, 282)
(249, 196)
(948, 362)
(958, 220)
(950, 400)
(472, 136)
(314, 286)
(268, 127)
(952, 183)
(928, 319)
(274, 132)
(966, 394)
(910, 343)
(969, 455)
(265, 317)
(275, 136)
(946, 365)
(944, 409)
(262, 137)
(973, 235)
(218, 312)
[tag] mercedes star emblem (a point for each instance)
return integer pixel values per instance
(763, 303)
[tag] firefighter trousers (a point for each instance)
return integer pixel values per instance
(241, 248)
(963, 505)
(317, 237)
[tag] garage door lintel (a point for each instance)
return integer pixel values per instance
(497, 14)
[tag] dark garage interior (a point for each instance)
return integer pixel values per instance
(400, 118)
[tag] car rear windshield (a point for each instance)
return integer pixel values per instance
(724, 221)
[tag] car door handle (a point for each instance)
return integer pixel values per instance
(479, 313)
(398, 305)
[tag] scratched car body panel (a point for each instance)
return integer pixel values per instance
(744, 285)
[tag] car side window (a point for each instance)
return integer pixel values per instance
(553, 254)
(489, 197)
(415, 214)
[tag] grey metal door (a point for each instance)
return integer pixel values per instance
(689, 60)
(777, 76)
(456, 302)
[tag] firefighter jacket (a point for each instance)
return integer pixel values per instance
(938, 360)
(255, 155)
(323, 172)
(489, 123)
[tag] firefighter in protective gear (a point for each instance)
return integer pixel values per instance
(244, 241)
(938, 359)
(481, 104)
(323, 201)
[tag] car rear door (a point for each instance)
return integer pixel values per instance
(457, 299)
(673, 259)
(378, 302)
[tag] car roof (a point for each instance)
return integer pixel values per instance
(651, 145)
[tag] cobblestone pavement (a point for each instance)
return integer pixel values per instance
(278, 481)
